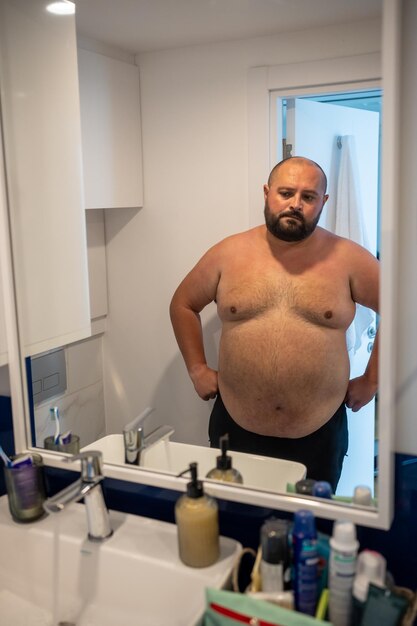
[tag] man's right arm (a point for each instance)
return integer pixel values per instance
(197, 290)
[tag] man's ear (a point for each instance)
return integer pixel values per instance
(266, 190)
(325, 198)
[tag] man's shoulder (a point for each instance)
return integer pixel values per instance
(344, 242)
(350, 251)
(241, 238)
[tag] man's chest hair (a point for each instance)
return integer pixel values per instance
(319, 297)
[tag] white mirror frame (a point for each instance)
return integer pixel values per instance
(260, 82)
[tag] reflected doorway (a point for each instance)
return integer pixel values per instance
(342, 132)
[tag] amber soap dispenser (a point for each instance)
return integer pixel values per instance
(224, 470)
(197, 518)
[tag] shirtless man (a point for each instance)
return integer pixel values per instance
(285, 294)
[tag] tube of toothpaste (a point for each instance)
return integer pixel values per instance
(65, 438)
(22, 460)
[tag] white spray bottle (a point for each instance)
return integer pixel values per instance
(342, 568)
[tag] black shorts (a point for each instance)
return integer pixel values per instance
(322, 452)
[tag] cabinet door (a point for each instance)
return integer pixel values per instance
(42, 144)
(111, 137)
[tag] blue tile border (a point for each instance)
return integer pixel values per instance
(243, 521)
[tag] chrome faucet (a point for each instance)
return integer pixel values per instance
(134, 437)
(87, 487)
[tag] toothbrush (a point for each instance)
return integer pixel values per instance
(25, 459)
(55, 411)
(7, 461)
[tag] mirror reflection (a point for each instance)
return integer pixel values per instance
(193, 128)
(286, 293)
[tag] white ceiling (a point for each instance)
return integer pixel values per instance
(145, 25)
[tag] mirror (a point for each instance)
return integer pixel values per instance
(195, 106)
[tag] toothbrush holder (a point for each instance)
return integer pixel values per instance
(73, 447)
(25, 486)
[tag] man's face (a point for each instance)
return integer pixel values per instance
(294, 200)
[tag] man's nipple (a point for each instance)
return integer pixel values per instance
(233, 309)
(328, 315)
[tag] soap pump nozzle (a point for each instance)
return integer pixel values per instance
(195, 486)
(224, 461)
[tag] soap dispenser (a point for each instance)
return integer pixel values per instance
(197, 518)
(224, 470)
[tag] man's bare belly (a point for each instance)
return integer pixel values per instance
(280, 375)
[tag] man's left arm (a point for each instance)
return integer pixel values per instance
(365, 291)
(362, 389)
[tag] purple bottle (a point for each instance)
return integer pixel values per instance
(305, 555)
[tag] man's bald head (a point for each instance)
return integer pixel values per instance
(274, 171)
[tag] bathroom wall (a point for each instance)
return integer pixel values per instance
(405, 222)
(195, 150)
(81, 408)
(4, 381)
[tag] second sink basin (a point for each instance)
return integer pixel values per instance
(259, 472)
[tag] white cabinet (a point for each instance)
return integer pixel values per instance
(111, 135)
(42, 143)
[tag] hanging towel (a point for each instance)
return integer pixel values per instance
(345, 219)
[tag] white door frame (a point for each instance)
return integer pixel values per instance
(338, 74)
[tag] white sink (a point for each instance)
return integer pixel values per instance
(51, 573)
(259, 472)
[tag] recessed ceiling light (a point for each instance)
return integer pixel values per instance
(63, 7)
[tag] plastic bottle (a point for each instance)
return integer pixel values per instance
(224, 470)
(275, 562)
(322, 489)
(342, 567)
(305, 556)
(362, 495)
(196, 515)
(305, 486)
(370, 568)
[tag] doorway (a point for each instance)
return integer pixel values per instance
(339, 130)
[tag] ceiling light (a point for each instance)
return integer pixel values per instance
(62, 7)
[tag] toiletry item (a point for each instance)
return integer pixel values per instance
(362, 496)
(65, 438)
(384, 607)
(69, 444)
(25, 487)
(322, 489)
(370, 568)
(342, 567)
(61, 442)
(305, 486)
(224, 470)
(55, 415)
(322, 604)
(275, 562)
(284, 599)
(305, 562)
(6, 460)
(323, 552)
(17, 461)
(196, 515)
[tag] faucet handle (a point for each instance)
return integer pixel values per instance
(91, 464)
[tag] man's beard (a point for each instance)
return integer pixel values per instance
(294, 229)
